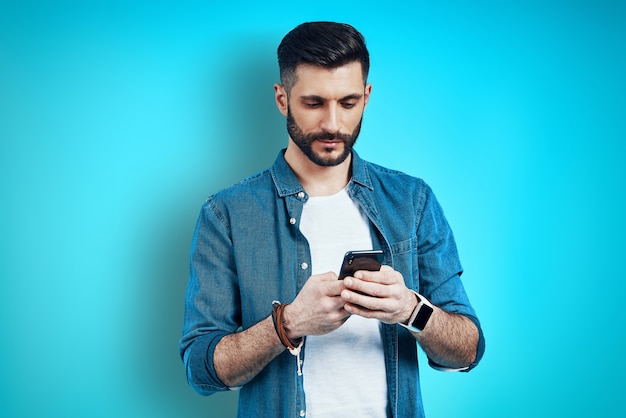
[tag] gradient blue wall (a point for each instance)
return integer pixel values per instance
(118, 118)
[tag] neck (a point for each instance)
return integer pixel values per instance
(318, 180)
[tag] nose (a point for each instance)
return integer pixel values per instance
(330, 120)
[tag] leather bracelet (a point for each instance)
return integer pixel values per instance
(279, 326)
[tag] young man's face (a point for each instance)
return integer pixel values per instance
(324, 110)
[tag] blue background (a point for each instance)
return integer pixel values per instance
(117, 120)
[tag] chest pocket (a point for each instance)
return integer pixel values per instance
(404, 260)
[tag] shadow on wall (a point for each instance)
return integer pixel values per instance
(255, 133)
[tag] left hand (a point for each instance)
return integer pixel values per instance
(379, 294)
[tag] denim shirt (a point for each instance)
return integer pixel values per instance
(248, 251)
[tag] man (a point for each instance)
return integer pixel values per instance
(333, 347)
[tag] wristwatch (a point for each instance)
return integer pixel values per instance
(420, 316)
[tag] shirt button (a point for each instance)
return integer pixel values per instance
(302, 413)
(292, 221)
(304, 266)
(301, 195)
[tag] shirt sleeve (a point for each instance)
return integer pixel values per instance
(440, 270)
(212, 299)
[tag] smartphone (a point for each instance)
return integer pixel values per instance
(354, 261)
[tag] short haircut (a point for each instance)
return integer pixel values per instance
(326, 44)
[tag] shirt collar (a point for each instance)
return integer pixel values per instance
(287, 183)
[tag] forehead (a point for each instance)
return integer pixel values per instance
(324, 82)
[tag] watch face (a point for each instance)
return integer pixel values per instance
(422, 317)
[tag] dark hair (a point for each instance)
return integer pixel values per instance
(327, 44)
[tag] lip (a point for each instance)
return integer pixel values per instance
(330, 141)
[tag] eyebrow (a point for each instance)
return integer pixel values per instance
(317, 98)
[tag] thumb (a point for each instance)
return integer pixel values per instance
(328, 276)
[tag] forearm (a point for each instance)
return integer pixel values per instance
(449, 340)
(239, 357)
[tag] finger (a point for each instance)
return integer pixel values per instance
(334, 288)
(370, 288)
(384, 276)
(366, 301)
(359, 310)
(327, 277)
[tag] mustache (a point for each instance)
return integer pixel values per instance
(328, 136)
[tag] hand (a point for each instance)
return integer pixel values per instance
(317, 309)
(379, 294)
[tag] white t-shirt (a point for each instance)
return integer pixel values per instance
(344, 371)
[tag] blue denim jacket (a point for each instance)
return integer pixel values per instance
(248, 251)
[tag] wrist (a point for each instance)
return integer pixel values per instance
(289, 324)
(413, 307)
(278, 317)
(420, 315)
(294, 346)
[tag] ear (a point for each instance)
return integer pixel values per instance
(368, 91)
(281, 98)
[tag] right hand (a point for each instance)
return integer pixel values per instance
(318, 308)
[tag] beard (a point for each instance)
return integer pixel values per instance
(325, 158)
